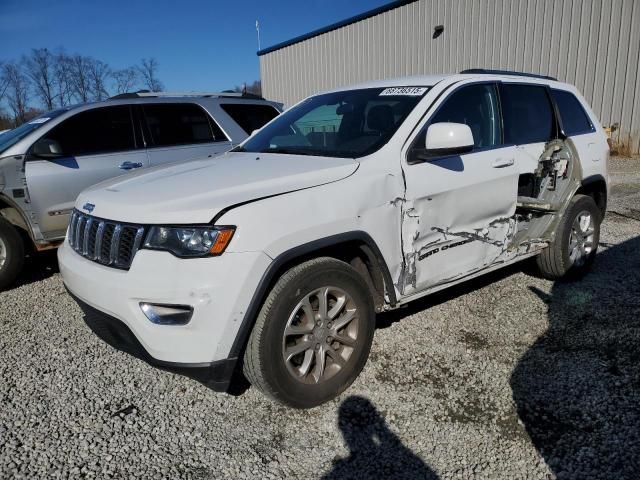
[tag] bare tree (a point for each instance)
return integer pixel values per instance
(254, 88)
(6, 122)
(125, 79)
(3, 83)
(40, 67)
(17, 90)
(149, 73)
(99, 72)
(80, 70)
(64, 78)
(57, 79)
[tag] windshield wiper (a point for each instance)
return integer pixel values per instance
(316, 152)
(291, 151)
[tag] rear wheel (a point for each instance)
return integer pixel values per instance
(574, 248)
(11, 253)
(313, 334)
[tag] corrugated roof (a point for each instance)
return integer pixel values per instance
(335, 26)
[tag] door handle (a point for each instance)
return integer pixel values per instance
(129, 165)
(502, 162)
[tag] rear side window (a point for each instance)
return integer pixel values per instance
(574, 119)
(528, 115)
(101, 130)
(173, 124)
(250, 117)
(477, 107)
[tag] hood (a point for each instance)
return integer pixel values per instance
(196, 191)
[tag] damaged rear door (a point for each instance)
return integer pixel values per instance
(458, 210)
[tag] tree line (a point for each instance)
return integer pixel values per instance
(45, 80)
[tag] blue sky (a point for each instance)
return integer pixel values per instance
(200, 45)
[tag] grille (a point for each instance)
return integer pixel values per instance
(103, 241)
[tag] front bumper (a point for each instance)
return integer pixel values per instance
(215, 375)
(218, 288)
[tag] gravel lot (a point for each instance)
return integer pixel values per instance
(508, 376)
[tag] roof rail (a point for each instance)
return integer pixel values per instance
(148, 94)
(507, 72)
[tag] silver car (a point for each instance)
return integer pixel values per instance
(46, 162)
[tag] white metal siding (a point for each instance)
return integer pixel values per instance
(593, 44)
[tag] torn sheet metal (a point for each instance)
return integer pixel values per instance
(448, 235)
(428, 262)
(458, 215)
(558, 178)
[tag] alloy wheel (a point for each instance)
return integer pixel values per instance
(3, 253)
(320, 335)
(581, 238)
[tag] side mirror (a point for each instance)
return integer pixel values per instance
(47, 149)
(448, 139)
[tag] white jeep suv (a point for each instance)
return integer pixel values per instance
(274, 258)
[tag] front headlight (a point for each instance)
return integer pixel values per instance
(189, 241)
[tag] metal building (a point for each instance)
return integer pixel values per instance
(594, 44)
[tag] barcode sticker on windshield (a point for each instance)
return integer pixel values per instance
(38, 120)
(410, 91)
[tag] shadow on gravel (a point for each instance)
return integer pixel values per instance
(577, 389)
(37, 267)
(386, 319)
(375, 451)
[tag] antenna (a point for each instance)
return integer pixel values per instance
(258, 32)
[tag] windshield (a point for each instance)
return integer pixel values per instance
(7, 139)
(348, 124)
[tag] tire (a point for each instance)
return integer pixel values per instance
(11, 253)
(557, 261)
(342, 337)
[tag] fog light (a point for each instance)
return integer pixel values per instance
(167, 314)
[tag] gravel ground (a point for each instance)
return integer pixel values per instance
(508, 376)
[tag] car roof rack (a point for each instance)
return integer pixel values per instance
(507, 72)
(148, 94)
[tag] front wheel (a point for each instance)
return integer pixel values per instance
(574, 248)
(11, 253)
(313, 334)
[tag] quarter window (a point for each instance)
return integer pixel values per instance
(528, 116)
(574, 119)
(250, 117)
(173, 124)
(477, 107)
(101, 130)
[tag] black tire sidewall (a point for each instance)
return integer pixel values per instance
(15, 253)
(292, 391)
(578, 204)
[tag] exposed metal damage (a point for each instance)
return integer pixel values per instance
(542, 197)
(484, 234)
(555, 181)
(14, 198)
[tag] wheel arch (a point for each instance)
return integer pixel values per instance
(12, 214)
(595, 186)
(356, 248)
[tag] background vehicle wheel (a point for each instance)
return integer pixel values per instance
(574, 248)
(313, 334)
(11, 253)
